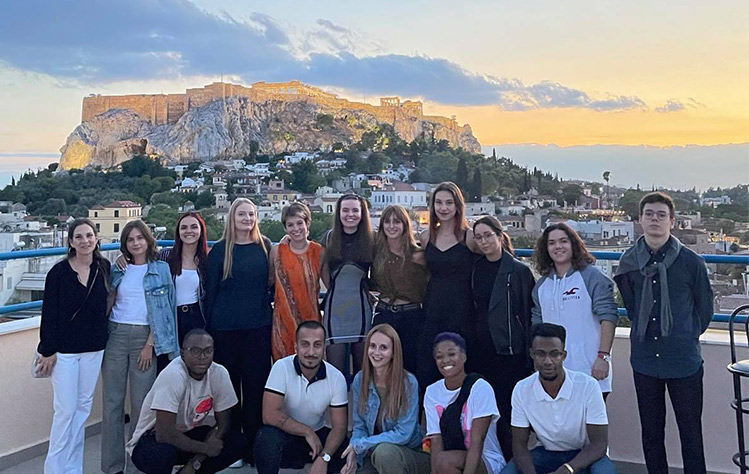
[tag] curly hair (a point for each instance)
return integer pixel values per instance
(581, 258)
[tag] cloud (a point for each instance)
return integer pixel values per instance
(101, 41)
(675, 105)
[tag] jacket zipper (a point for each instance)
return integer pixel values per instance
(509, 312)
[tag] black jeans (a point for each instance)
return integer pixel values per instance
(189, 317)
(408, 325)
(502, 372)
(153, 457)
(686, 400)
(276, 449)
(246, 355)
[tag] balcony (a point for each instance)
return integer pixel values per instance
(27, 412)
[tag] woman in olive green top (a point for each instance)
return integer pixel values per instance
(399, 273)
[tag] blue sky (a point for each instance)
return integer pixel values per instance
(574, 73)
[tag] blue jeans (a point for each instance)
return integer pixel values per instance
(549, 461)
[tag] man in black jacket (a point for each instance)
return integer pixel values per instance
(667, 294)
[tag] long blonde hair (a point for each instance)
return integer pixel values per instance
(230, 234)
(408, 242)
(461, 225)
(396, 401)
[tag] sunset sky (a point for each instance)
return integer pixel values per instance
(540, 72)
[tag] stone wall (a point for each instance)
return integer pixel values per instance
(168, 108)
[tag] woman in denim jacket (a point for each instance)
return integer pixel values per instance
(387, 435)
(142, 324)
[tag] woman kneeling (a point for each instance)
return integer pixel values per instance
(461, 414)
(387, 435)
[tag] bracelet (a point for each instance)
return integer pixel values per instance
(569, 468)
(604, 352)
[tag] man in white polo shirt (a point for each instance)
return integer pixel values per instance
(300, 390)
(566, 410)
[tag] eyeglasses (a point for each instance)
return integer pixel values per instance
(199, 351)
(483, 237)
(542, 355)
(660, 215)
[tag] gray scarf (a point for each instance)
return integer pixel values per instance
(636, 259)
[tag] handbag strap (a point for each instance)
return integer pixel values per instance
(450, 427)
(90, 287)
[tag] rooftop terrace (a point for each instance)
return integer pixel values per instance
(27, 412)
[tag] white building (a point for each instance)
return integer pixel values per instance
(479, 209)
(400, 193)
(298, 157)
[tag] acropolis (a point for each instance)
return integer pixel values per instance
(168, 108)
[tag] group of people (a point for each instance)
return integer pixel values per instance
(230, 357)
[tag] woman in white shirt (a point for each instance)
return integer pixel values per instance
(187, 264)
(462, 436)
(142, 326)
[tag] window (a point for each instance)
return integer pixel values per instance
(98, 227)
(116, 226)
(10, 283)
(116, 213)
(96, 213)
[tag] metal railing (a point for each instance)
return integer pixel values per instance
(600, 255)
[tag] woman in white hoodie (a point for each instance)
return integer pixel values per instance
(575, 294)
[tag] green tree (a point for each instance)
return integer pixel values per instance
(571, 193)
(272, 229)
(461, 176)
(476, 185)
(630, 203)
(305, 177)
(162, 215)
(204, 199)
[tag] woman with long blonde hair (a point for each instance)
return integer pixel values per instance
(448, 304)
(387, 435)
(400, 275)
(239, 312)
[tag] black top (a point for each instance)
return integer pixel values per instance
(485, 273)
(349, 252)
(691, 296)
(243, 300)
(63, 296)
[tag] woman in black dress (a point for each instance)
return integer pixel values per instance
(448, 305)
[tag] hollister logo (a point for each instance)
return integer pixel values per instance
(571, 294)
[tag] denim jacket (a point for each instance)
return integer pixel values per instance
(404, 431)
(161, 302)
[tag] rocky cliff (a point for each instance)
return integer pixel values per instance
(224, 129)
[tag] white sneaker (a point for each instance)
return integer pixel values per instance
(237, 465)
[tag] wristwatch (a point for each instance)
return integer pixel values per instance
(325, 456)
(605, 356)
(196, 465)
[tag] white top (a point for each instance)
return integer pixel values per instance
(194, 401)
(559, 423)
(307, 402)
(480, 403)
(130, 305)
(187, 287)
(566, 301)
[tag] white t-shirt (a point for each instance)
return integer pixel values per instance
(130, 305)
(480, 403)
(307, 402)
(187, 287)
(194, 401)
(559, 423)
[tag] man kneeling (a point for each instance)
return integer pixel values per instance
(564, 408)
(185, 416)
(300, 390)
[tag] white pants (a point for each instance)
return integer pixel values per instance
(74, 382)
